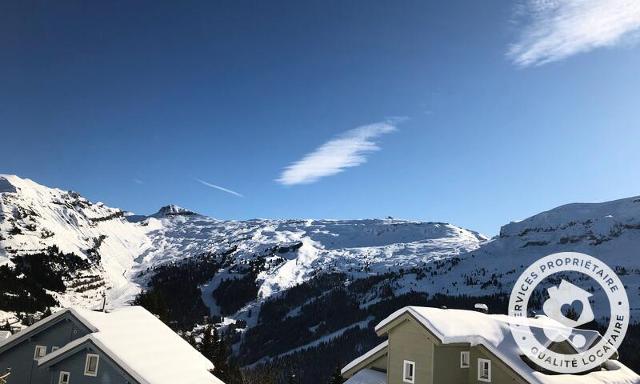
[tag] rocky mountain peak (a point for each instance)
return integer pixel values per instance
(173, 210)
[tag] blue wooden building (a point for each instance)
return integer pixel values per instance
(78, 346)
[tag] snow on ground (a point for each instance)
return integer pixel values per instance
(48, 216)
(37, 217)
(320, 245)
(608, 231)
(33, 217)
(211, 285)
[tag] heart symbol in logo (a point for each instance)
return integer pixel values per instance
(572, 311)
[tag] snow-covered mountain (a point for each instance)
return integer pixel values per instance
(307, 246)
(120, 246)
(609, 231)
(296, 269)
(34, 217)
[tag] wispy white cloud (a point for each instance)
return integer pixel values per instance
(350, 149)
(137, 181)
(205, 183)
(556, 29)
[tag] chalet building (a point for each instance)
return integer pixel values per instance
(78, 346)
(432, 346)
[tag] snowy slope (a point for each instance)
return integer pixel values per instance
(609, 231)
(460, 261)
(314, 245)
(34, 217)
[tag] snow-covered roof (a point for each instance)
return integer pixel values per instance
(494, 333)
(5, 335)
(368, 376)
(143, 346)
(374, 351)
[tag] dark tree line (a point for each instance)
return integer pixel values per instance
(328, 303)
(24, 285)
(233, 294)
(215, 347)
(174, 294)
(320, 364)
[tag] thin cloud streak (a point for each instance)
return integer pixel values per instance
(556, 29)
(205, 183)
(350, 149)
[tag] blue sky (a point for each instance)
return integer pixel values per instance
(475, 113)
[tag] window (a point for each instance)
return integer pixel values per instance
(40, 351)
(484, 370)
(408, 371)
(464, 359)
(91, 365)
(64, 377)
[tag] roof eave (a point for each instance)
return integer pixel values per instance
(18, 337)
(373, 354)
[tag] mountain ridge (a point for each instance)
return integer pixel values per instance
(326, 281)
(35, 217)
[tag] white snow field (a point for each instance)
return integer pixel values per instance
(33, 217)
(71, 222)
(48, 216)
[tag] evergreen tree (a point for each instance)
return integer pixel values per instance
(336, 377)
(224, 367)
(154, 302)
(208, 345)
(261, 375)
(216, 349)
